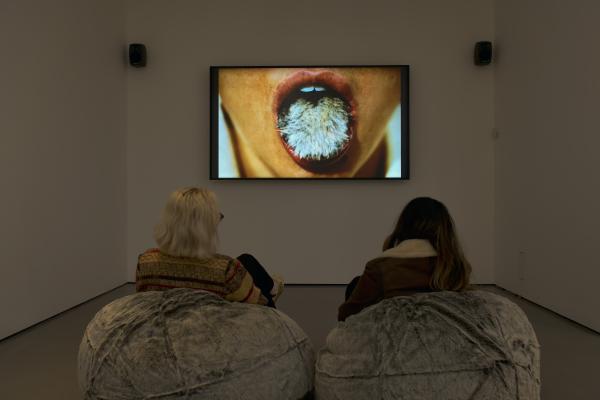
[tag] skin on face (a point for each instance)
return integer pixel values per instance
(248, 97)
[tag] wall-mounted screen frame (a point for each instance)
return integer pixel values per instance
(309, 122)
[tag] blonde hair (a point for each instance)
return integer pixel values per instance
(188, 224)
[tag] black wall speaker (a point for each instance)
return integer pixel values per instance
(137, 55)
(483, 53)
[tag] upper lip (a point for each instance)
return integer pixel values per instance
(311, 77)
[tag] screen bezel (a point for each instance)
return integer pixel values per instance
(214, 123)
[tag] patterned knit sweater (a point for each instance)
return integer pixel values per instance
(219, 274)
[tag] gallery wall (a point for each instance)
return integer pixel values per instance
(323, 231)
(547, 191)
(90, 148)
(62, 156)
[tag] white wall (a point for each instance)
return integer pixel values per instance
(547, 163)
(62, 156)
(313, 232)
(65, 138)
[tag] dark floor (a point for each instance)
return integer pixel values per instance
(41, 363)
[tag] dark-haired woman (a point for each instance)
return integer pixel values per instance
(422, 254)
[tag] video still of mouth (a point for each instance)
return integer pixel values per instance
(309, 122)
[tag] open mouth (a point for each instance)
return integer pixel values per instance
(315, 117)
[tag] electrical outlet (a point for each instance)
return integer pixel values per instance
(521, 265)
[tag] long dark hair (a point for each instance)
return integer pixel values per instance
(429, 219)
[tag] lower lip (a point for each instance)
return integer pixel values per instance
(319, 77)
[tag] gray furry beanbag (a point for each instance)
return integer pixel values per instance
(444, 345)
(186, 344)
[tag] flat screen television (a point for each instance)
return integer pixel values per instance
(314, 122)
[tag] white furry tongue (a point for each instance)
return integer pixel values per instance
(314, 122)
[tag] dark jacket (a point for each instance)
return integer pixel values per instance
(386, 277)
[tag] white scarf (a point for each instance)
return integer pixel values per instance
(411, 248)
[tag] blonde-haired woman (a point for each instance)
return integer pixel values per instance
(422, 254)
(187, 257)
